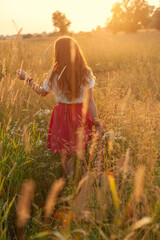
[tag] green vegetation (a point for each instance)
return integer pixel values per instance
(127, 95)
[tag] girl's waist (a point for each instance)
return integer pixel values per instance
(70, 104)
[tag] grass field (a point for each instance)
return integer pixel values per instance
(127, 95)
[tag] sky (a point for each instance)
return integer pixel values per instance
(35, 16)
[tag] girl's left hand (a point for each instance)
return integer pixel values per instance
(100, 130)
(21, 74)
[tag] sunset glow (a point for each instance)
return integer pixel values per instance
(35, 16)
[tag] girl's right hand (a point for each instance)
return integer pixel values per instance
(21, 74)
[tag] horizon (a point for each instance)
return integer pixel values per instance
(19, 14)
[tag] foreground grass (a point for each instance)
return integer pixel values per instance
(127, 97)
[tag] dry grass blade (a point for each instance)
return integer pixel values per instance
(26, 138)
(8, 124)
(57, 186)
(82, 231)
(24, 203)
(142, 222)
(110, 141)
(16, 38)
(113, 191)
(81, 130)
(63, 160)
(139, 224)
(40, 235)
(139, 183)
(103, 234)
(1, 145)
(92, 148)
(12, 169)
(15, 97)
(21, 123)
(129, 236)
(73, 52)
(2, 94)
(85, 107)
(125, 169)
(80, 144)
(59, 236)
(15, 24)
(81, 183)
(126, 100)
(2, 234)
(8, 209)
(125, 165)
(4, 67)
(14, 48)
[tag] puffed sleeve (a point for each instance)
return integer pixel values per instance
(91, 81)
(45, 86)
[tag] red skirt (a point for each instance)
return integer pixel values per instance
(69, 128)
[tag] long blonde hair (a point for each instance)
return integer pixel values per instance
(70, 66)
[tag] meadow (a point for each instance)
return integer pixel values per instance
(127, 96)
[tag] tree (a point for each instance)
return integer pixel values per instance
(60, 21)
(116, 22)
(156, 19)
(130, 15)
(141, 13)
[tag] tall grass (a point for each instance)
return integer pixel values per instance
(127, 97)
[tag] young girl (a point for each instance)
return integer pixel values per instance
(68, 79)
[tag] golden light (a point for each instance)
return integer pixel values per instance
(35, 16)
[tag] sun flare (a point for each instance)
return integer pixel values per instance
(35, 16)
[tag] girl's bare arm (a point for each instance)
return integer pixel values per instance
(92, 108)
(93, 113)
(23, 76)
(39, 90)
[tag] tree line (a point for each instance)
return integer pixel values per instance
(127, 16)
(132, 15)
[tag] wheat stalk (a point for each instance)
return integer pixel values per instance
(56, 187)
(24, 203)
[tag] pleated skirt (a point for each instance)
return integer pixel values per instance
(70, 128)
